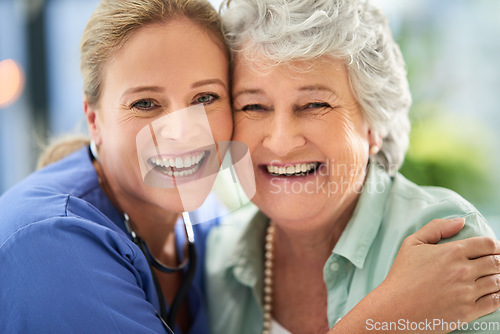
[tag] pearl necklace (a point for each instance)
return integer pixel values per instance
(268, 279)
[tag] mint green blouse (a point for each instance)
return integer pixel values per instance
(389, 209)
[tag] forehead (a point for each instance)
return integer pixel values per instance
(322, 70)
(176, 50)
(262, 63)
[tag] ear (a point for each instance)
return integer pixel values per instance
(93, 122)
(375, 142)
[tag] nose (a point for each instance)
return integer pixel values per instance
(183, 125)
(284, 134)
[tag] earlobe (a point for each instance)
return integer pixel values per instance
(375, 142)
(92, 122)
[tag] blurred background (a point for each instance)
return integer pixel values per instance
(452, 50)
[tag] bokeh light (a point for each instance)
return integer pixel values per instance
(11, 82)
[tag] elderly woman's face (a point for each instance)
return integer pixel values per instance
(160, 70)
(307, 136)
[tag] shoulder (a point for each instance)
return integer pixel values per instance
(54, 210)
(74, 266)
(63, 251)
(66, 188)
(406, 192)
(65, 235)
(409, 207)
(39, 214)
(73, 175)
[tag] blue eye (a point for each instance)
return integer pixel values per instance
(206, 99)
(144, 105)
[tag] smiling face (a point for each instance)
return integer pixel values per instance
(307, 136)
(162, 68)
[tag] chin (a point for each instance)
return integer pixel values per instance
(176, 200)
(167, 199)
(296, 207)
(171, 205)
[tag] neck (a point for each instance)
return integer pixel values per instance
(311, 241)
(155, 225)
(157, 229)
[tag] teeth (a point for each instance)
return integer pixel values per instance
(179, 162)
(182, 173)
(298, 169)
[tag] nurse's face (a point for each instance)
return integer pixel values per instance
(162, 68)
(307, 137)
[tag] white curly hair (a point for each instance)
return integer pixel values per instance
(351, 30)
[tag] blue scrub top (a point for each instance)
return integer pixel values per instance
(67, 264)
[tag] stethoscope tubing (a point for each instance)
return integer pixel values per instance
(189, 265)
(168, 318)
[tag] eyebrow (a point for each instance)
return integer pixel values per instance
(140, 89)
(249, 92)
(310, 88)
(208, 82)
(317, 88)
(158, 89)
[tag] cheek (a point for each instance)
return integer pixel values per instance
(112, 128)
(345, 147)
(120, 142)
(245, 130)
(352, 153)
(351, 136)
(221, 126)
(354, 160)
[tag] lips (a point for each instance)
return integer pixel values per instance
(297, 169)
(179, 166)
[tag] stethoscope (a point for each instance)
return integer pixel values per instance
(188, 264)
(168, 318)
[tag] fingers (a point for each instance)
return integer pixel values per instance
(488, 303)
(438, 229)
(477, 247)
(487, 285)
(486, 265)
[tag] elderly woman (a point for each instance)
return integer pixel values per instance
(320, 97)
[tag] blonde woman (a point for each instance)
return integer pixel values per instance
(72, 235)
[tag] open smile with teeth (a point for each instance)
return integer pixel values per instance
(179, 166)
(294, 170)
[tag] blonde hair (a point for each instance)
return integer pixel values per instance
(114, 21)
(110, 27)
(60, 148)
